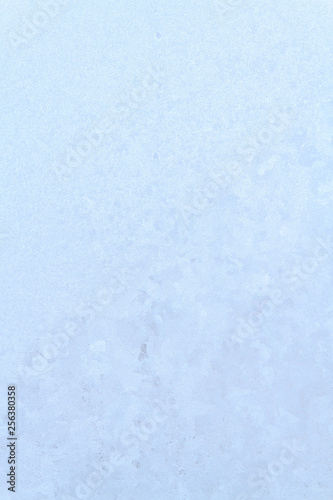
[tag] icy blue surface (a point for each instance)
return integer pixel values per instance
(166, 248)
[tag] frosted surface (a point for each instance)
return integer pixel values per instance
(166, 248)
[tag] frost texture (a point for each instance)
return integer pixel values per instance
(166, 248)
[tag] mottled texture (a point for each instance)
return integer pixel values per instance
(166, 248)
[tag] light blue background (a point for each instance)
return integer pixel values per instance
(125, 274)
